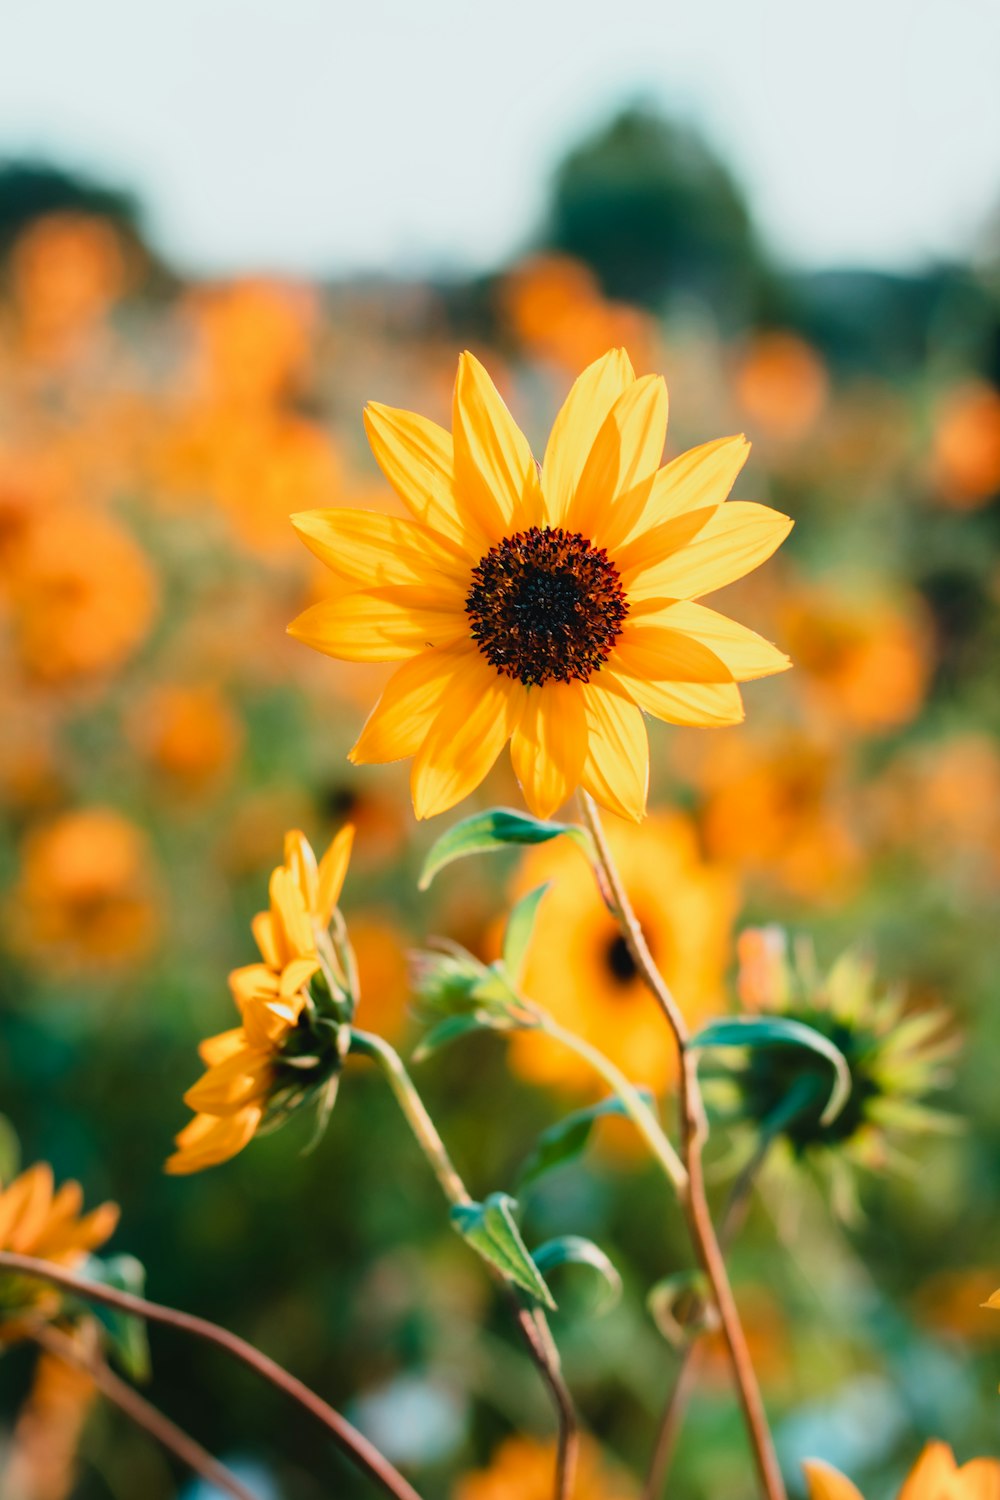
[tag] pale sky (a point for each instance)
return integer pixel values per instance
(319, 136)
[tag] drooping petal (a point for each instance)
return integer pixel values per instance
(216, 1049)
(208, 1140)
(549, 746)
(651, 650)
(626, 452)
(417, 457)
(746, 654)
(474, 721)
(575, 429)
(230, 1085)
(25, 1207)
(699, 479)
(616, 771)
(738, 538)
(377, 550)
(495, 475)
(380, 624)
(400, 721)
(262, 927)
(332, 873)
(827, 1483)
(711, 704)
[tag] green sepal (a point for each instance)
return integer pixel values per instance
(781, 1031)
(453, 1028)
(497, 828)
(573, 1249)
(491, 1229)
(125, 1333)
(567, 1138)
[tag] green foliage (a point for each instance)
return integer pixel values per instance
(567, 1139)
(497, 828)
(491, 1229)
(779, 1031)
(574, 1250)
(517, 937)
(126, 1335)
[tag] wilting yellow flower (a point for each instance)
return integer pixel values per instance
(522, 1469)
(580, 970)
(84, 899)
(38, 1220)
(550, 607)
(283, 1050)
(935, 1476)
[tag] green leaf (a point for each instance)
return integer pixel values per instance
(10, 1151)
(452, 1028)
(491, 1230)
(566, 1139)
(497, 828)
(781, 1031)
(126, 1334)
(681, 1307)
(571, 1249)
(520, 926)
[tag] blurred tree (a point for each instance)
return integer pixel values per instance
(648, 205)
(30, 189)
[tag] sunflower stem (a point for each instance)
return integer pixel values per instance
(142, 1412)
(531, 1322)
(694, 1130)
(348, 1439)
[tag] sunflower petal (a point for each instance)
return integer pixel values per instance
(333, 872)
(711, 704)
(549, 746)
(746, 654)
(699, 479)
(375, 550)
(379, 624)
(735, 540)
(417, 457)
(626, 452)
(652, 651)
(208, 1140)
(401, 719)
(827, 1483)
(616, 771)
(475, 719)
(575, 429)
(495, 474)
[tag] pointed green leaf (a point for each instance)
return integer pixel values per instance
(452, 1028)
(517, 937)
(566, 1139)
(781, 1031)
(498, 828)
(491, 1230)
(571, 1249)
(126, 1334)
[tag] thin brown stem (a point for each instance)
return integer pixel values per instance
(351, 1442)
(142, 1412)
(693, 1133)
(533, 1324)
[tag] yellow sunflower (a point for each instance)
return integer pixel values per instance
(285, 1047)
(935, 1476)
(40, 1220)
(549, 605)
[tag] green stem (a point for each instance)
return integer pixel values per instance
(532, 1323)
(632, 1101)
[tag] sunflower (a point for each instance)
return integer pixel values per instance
(935, 1476)
(287, 1048)
(39, 1220)
(580, 970)
(897, 1058)
(550, 606)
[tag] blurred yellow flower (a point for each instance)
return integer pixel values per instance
(966, 449)
(84, 899)
(550, 607)
(38, 1220)
(522, 1468)
(188, 733)
(258, 1070)
(41, 1458)
(579, 968)
(781, 384)
(935, 1476)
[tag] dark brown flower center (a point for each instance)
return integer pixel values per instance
(545, 605)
